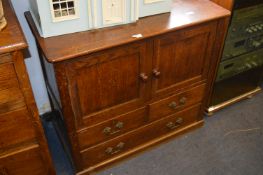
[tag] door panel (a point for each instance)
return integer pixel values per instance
(105, 85)
(176, 52)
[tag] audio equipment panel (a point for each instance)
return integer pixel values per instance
(241, 65)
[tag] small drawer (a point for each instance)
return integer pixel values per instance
(23, 162)
(112, 128)
(11, 99)
(116, 147)
(8, 77)
(15, 128)
(176, 102)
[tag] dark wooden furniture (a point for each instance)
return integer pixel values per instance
(120, 95)
(23, 147)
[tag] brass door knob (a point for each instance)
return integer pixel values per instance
(143, 77)
(156, 73)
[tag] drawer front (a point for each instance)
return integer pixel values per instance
(15, 128)
(116, 147)
(112, 128)
(7, 76)
(11, 99)
(176, 102)
(23, 162)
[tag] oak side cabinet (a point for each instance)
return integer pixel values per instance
(119, 94)
(23, 147)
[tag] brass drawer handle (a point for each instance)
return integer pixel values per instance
(173, 105)
(117, 149)
(156, 73)
(177, 124)
(109, 131)
(144, 77)
(182, 101)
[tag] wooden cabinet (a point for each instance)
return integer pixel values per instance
(23, 147)
(120, 95)
(181, 58)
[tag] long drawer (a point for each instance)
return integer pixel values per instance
(26, 161)
(176, 102)
(15, 127)
(112, 128)
(119, 145)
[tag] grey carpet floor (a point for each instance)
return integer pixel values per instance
(230, 143)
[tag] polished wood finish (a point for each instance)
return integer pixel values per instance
(115, 74)
(12, 38)
(180, 51)
(112, 128)
(177, 102)
(23, 147)
(110, 149)
(15, 162)
(56, 49)
(120, 95)
(227, 4)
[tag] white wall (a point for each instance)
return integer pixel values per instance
(33, 64)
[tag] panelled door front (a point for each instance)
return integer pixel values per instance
(108, 84)
(181, 58)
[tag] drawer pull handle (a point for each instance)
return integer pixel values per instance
(182, 101)
(172, 125)
(144, 77)
(173, 105)
(119, 125)
(109, 131)
(156, 73)
(117, 149)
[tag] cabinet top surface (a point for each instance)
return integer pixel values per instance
(11, 37)
(185, 13)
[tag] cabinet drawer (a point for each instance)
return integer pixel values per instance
(23, 162)
(11, 99)
(117, 146)
(7, 76)
(15, 127)
(112, 128)
(176, 102)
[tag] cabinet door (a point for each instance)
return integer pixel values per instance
(109, 83)
(182, 58)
